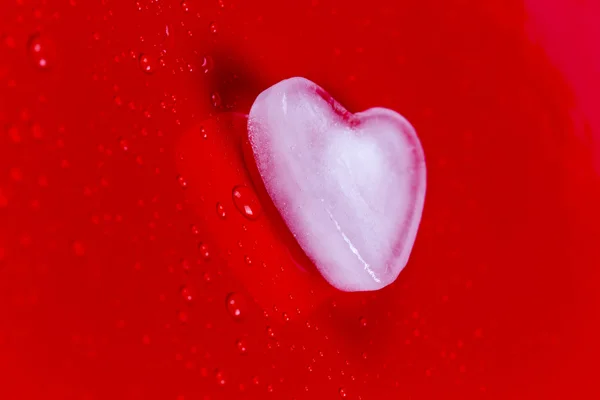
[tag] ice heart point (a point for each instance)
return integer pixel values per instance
(350, 187)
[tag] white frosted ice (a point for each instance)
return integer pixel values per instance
(350, 187)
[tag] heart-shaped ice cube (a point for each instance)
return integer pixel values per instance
(350, 187)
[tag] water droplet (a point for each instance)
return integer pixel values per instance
(270, 332)
(246, 201)
(204, 251)
(235, 305)
(343, 393)
(182, 181)
(207, 64)
(3, 203)
(241, 346)
(216, 99)
(78, 248)
(185, 264)
(221, 211)
(220, 377)
(363, 322)
(10, 42)
(146, 64)
(203, 133)
(185, 6)
(186, 293)
(285, 317)
(248, 260)
(36, 131)
(213, 27)
(183, 316)
(42, 51)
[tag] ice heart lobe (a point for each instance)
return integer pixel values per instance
(350, 187)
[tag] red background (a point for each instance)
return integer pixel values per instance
(117, 271)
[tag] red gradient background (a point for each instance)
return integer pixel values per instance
(120, 278)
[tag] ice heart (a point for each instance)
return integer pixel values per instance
(350, 187)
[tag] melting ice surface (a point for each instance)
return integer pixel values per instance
(350, 187)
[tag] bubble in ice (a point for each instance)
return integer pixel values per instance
(350, 187)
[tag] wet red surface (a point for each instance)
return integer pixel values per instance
(127, 269)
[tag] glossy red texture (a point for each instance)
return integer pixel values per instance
(118, 281)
